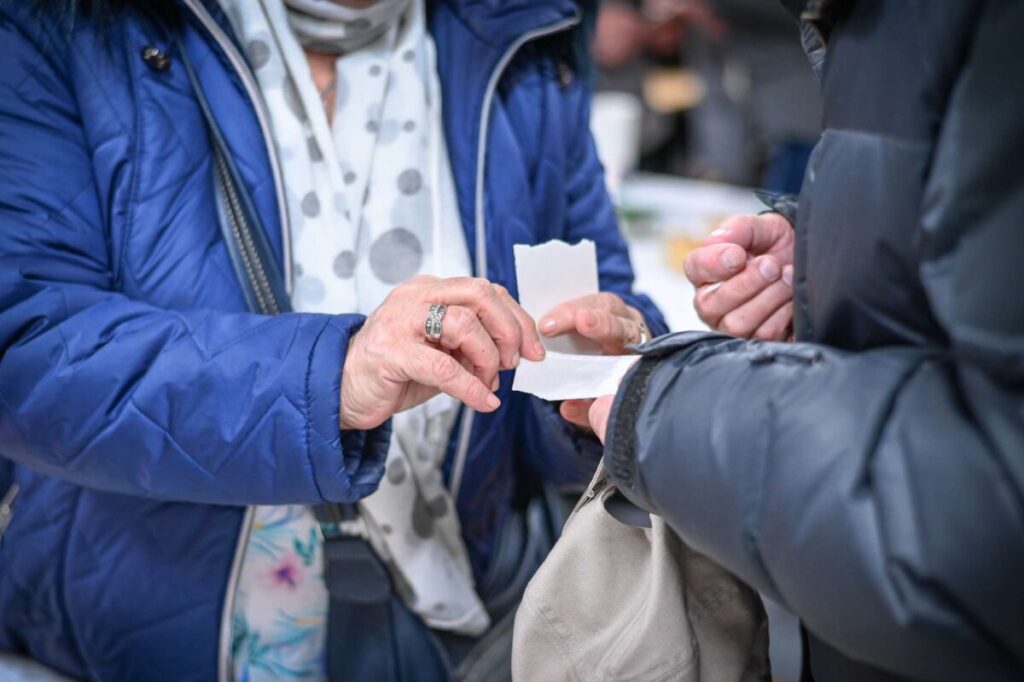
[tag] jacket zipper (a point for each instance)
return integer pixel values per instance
(462, 451)
(243, 235)
(252, 90)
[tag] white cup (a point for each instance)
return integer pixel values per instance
(615, 119)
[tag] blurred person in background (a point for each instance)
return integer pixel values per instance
(870, 476)
(757, 107)
(634, 38)
(761, 113)
(164, 434)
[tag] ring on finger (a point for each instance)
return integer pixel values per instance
(435, 319)
(643, 332)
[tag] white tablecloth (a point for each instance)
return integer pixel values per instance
(676, 206)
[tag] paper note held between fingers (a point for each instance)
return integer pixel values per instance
(547, 275)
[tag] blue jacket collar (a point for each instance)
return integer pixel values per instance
(499, 23)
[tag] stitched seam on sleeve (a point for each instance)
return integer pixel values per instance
(306, 411)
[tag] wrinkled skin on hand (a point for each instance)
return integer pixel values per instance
(391, 366)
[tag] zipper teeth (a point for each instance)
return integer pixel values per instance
(480, 228)
(261, 115)
(245, 240)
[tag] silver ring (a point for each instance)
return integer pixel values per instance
(435, 316)
(645, 334)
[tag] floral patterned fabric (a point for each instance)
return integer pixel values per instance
(279, 626)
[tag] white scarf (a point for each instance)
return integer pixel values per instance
(371, 203)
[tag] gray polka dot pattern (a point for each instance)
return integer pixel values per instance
(396, 471)
(311, 205)
(362, 224)
(314, 149)
(388, 132)
(410, 181)
(292, 99)
(345, 265)
(259, 53)
(396, 256)
(309, 290)
(438, 507)
(422, 520)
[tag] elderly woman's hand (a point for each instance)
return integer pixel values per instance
(604, 318)
(392, 366)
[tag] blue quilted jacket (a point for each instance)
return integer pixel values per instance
(142, 408)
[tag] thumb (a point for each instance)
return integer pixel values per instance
(599, 413)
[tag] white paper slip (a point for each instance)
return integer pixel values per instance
(547, 275)
(565, 376)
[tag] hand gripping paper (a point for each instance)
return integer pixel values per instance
(548, 275)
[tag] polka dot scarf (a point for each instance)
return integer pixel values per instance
(371, 201)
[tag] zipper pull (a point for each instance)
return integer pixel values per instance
(7, 508)
(595, 489)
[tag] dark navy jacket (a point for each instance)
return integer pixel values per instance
(141, 406)
(871, 477)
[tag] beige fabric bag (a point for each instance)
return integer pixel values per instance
(614, 601)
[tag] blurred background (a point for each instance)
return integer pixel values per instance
(698, 103)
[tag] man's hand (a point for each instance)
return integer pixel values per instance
(744, 277)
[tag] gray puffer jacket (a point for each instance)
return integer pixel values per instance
(871, 476)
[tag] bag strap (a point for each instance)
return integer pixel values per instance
(360, 589)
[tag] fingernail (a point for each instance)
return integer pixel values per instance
(495, 383)
(731, 258)
(720, 232)
(787, 275)
(493, 402)
(515, 359)
(769, 269)
(538, 350)
(547, 325)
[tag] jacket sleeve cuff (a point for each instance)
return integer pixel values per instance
(621, 447)
(783, 204)
(346, 465)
